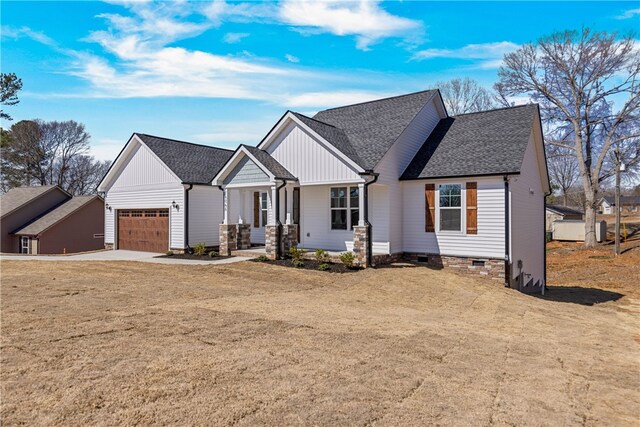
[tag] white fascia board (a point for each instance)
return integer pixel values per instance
(326, 144)
(233, 162)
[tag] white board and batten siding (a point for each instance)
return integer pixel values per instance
(144, 182)
(308, 159)
(527, 217)
(396, 160)
(488, 243)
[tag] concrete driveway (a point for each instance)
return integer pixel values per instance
(119, 255)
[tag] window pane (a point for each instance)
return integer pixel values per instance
(355, 217)
(444, 200)
(264, 218)
(339, 219)
(354, 197)
(263, 200)
(450, 219)
(455, 201)
(339, 197)
(451, 189)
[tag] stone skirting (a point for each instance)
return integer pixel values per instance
(108, 246)
(289, 237)
(270, 241)
(361, 245)
(228, 238)
(243, 236)
(485, 267)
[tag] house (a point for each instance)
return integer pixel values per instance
(396, 177)
(159, 197)
(559, 213)
(47, 220)
(628, 204)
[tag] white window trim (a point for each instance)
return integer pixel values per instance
(463, 209)
(348, 208)
(22, 246)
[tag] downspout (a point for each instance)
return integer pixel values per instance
(507, 237)
(278, 223)
(186, 217)
(366, 214)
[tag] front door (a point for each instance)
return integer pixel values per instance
(296, 209)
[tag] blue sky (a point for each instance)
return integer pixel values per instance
(221, 73)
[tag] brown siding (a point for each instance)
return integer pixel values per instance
(75, 232)
(430, 207)
(26, 214)
(472, 208)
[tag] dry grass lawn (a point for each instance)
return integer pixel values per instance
(251, 344)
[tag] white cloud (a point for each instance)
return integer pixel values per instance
(365, 20)
(490, 54)
(628, 14)
(15, 33)
(292, 58)
(333, 98)
(234, 37)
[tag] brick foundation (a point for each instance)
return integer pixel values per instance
(270, 241)
(361, 245)
(289, 237)
(108, 246)
(228, 238)
(491, 268)
(243, 236)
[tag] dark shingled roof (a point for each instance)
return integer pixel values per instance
(270, 163)
(563, 210)
(624, 200)
(485, 143)
(55, 216)
(192, 163)
(20, 196)
(365, 132)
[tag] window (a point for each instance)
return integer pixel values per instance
(344, 210)
(163, 213)
(136, 213)
(450, 203)
(24, 245)
(264, 212)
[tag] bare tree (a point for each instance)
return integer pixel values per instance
(465, 96)
(66, 141)
(575, 76)
(10, 84)
(563, 171)
(84, 174)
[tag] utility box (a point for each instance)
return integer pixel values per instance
(573, 230)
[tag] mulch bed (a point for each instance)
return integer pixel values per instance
(310, 265)
(194, 257)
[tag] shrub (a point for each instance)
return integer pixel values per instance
(324, 267)
(169, 253)
(296, 254)
(262, 258)
(199, 249)
(297, 263)
(213, 254)
(347, 259)
(322, 256)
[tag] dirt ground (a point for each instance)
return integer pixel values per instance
(252, 344)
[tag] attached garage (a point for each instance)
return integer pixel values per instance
(158, 195)
(143, 229)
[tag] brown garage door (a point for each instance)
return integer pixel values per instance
(143, 230)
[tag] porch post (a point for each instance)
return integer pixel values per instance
(289, 214)
(241, 207)
(225, 205)
(361, 202)
(289, 229)
(227, 233)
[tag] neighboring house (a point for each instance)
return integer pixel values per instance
(75, 226)
(159, 197)
(559, 213)
(47, 220)
(628, 204)
(396, 177)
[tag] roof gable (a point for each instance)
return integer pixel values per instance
(18, 197)
(371, 128)
(250, 165)
(485, 143)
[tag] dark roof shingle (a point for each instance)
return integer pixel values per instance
(485, 143)
(55, 216)
(192, 163)
(624, 200)
(564, 210)
(269, 162)
(366, 131)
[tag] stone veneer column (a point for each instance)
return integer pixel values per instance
(361, 245)
(244, 236)
(289, 237)
(270, 232)
(228, 238)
